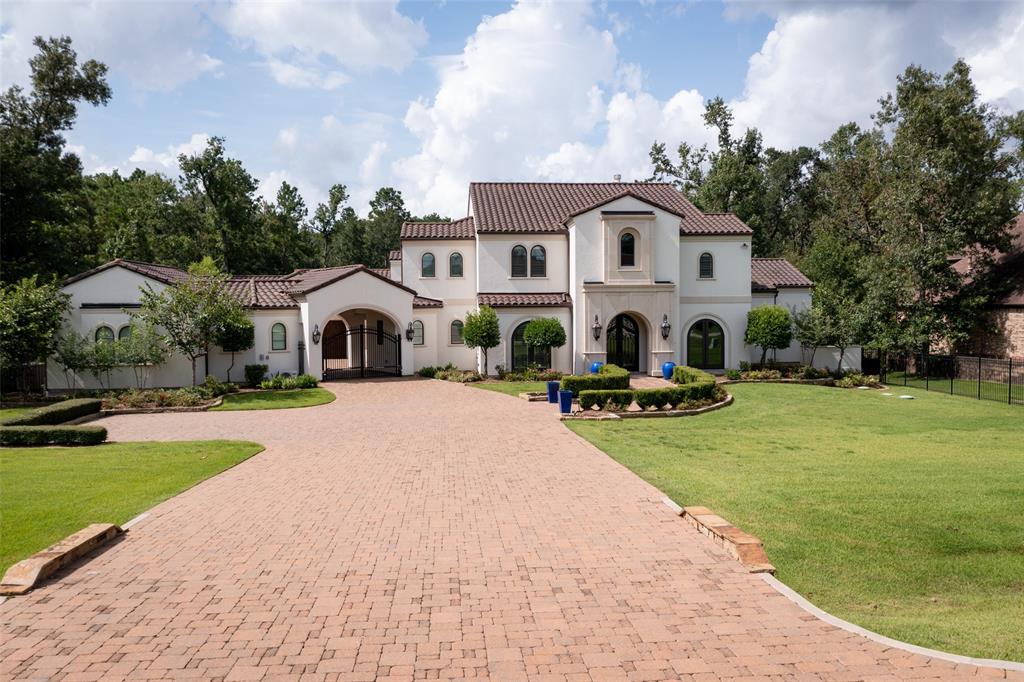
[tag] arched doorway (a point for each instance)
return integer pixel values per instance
(705, 345)
(335, 346)
(623, 341)
(369, 347)
(524, 356)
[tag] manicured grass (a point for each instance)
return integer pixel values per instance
(903, 516)
(276, 400)
(48, 493)
(512, 387)
(989, 390)
(8, 412)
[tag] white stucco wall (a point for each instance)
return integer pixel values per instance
(795, 299)
(441, 285)
(494, 263)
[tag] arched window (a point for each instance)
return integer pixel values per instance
(427, 265)
(456, 333)
(278, 337)
(104, 334)
(705, 345)
(706, 269)
(519, 261)
(417, 333)
(627, 250)
(538, 262)
(124, 332)
(524, 356)
(455, 265)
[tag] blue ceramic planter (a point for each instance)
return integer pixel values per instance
(666, 369)
(553, 391)
(595, 367)
(565, 402)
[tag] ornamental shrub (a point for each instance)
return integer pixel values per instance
(610, 377)
(769, 327)
(427, 372)
(25, 436)
(254, 374)
(57, 413)
(733, 374)
(612, 399)
(689, 375)
(855, 379)
(306, 381)
(544, 332)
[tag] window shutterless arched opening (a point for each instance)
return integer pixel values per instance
(104, 334)
(417, 333)
(456, 333)
(524, 356)
(278, 337)
(427, 265)
(124, 332)
(705, 345)
(538, 262)
(627, 250)
(519, 261)
(706, 266)
(455, 265)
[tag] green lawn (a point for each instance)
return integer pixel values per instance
(8, 412)
(48, 493)
(903, 516)
(512, 387)
(276, 400)
(989, 390)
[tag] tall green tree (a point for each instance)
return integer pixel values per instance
(31, 315)
(327, 220)
(286, 241)
(46, 226)
(384, 225)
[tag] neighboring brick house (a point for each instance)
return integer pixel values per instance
(1001, 333)
(633, 271)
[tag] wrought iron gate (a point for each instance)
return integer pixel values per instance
(362, 352)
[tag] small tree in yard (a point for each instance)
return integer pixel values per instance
(73, 353)
(142, 350)
(31, 314)
(481, 331)
(191, 312)
(769, 328)
(842, 320)
(236, 335)
(102, 360)
(809, 331)
(544, 332)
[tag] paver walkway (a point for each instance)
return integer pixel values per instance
(419, 530)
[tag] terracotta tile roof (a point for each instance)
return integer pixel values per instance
(718, 223)
(168, 274)
(502, 300)
(546, 206)
(311, 280)
(424, 302)
(263, 291)
(383, 272)
(395, 255)
(456, 229)
(769, 274)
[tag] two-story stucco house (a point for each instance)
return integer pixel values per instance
(634, 272)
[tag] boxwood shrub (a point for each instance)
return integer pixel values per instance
(608, 378)
(690, 375)
(57, 413)
(612, 399)
(678, 397)
(24, 436)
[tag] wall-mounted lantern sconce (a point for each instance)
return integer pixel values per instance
(409, 332)
(596, 328)
(316, 334)
(666, 328)
(744, 245)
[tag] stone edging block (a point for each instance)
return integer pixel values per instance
(748, 549)
(26, 574)
(534, 396)
(652, 414)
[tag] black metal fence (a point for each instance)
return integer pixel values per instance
(999, 379)
(29, 378)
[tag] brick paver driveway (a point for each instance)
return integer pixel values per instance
(420, 529)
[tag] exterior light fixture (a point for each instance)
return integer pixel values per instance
(596, 328)
(666, 328)
(409, 332)
(316, 334)
(743, 245)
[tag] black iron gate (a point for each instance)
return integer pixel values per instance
(362, 352)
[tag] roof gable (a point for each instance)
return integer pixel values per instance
(309, 281)
(167, 274)
(771, 274)
(455, 229)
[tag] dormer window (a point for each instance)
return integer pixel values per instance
(627, 250)
(519, 261)
(706, 266)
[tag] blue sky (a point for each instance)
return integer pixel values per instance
(426, 96)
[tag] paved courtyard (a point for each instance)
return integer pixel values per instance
(420, 529)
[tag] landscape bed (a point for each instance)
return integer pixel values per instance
(902, 516)
(49, 493)
(275, 399)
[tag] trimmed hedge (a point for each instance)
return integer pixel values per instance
(678, 397)
(23, 436)
(58, 413)
(608, 378)
(690, 375)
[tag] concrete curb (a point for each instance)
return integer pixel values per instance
(26, 574)
(800, 601)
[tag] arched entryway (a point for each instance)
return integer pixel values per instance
(335, 347)
(623, 342)
(361, 343)
(524, 356)
(705, 345)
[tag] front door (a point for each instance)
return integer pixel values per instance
(623, 338)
